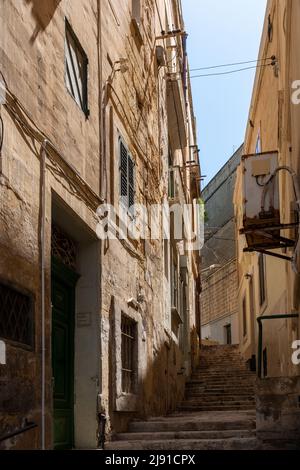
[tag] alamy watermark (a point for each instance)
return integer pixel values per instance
(296, 354)
(180, 222)
(296, 93)
(2, 92)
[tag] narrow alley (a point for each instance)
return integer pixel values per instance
(149, 226)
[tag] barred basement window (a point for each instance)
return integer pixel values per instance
(128, 354)
(16, 316)
(76, 69)
(127, 176)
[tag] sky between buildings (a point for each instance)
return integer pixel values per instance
(221, 32)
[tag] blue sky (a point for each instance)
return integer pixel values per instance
(222, 32)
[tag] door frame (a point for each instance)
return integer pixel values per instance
(69, 278)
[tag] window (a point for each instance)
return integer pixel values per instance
(76, 69)
(136, 11)
(258, 144)
(244, 317)
(16, 316)
(166, 258)
(128, 354)
(228, 339)
(127, 176)
(262, 285)
(174, 279)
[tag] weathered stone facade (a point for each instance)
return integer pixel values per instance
(219, 304)
(219, 312)
(268, 286)
(59, 163)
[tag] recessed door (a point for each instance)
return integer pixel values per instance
(63, 314)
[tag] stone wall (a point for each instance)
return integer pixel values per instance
(82, 171)
(219, 297)
(278, 411)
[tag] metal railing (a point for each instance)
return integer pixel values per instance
(27, 427)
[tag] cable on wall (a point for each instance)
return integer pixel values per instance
(233, 71)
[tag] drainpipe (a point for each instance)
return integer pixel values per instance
(43, 154)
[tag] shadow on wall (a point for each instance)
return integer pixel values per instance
(42, 11)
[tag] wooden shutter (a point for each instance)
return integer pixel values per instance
(131, 181)
(127, 176)
(76, 69)
(123, 170)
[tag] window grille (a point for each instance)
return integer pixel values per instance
(76, 69)
(16, 316)
(127, 176)
(128, 343)
(63, 247)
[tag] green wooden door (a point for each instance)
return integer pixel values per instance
(63, 313)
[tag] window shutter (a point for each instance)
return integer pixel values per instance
(131, 179)
(123, 170)
(76, 69)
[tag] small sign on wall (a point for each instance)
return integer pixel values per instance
(84, 319)
(2, 353)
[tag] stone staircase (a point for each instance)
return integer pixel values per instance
(222, 382)
(218, 410)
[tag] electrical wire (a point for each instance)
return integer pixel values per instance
(231, 65)
(231, 71)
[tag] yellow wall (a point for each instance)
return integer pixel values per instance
(277, 121)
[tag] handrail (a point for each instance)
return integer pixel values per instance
(28, 426)
(260, 333)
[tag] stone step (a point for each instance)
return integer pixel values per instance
(222, 382)
(195, 435)
(196, 392)
(225, 362)
(219, 401)
(182, 422)
(186, 444)
(220, 388)
(225, 378)
(203, 398)
(230, 373)
(218, 407)
(222, 370)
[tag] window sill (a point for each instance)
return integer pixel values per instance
(127, 403)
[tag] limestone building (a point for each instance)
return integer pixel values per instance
(219, 306)
(95, 108)
(267, 265)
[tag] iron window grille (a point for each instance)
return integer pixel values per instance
(128, 354)
(127, 176)
(76, 69)
(16, 316)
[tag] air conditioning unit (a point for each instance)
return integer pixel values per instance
(261, 210)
